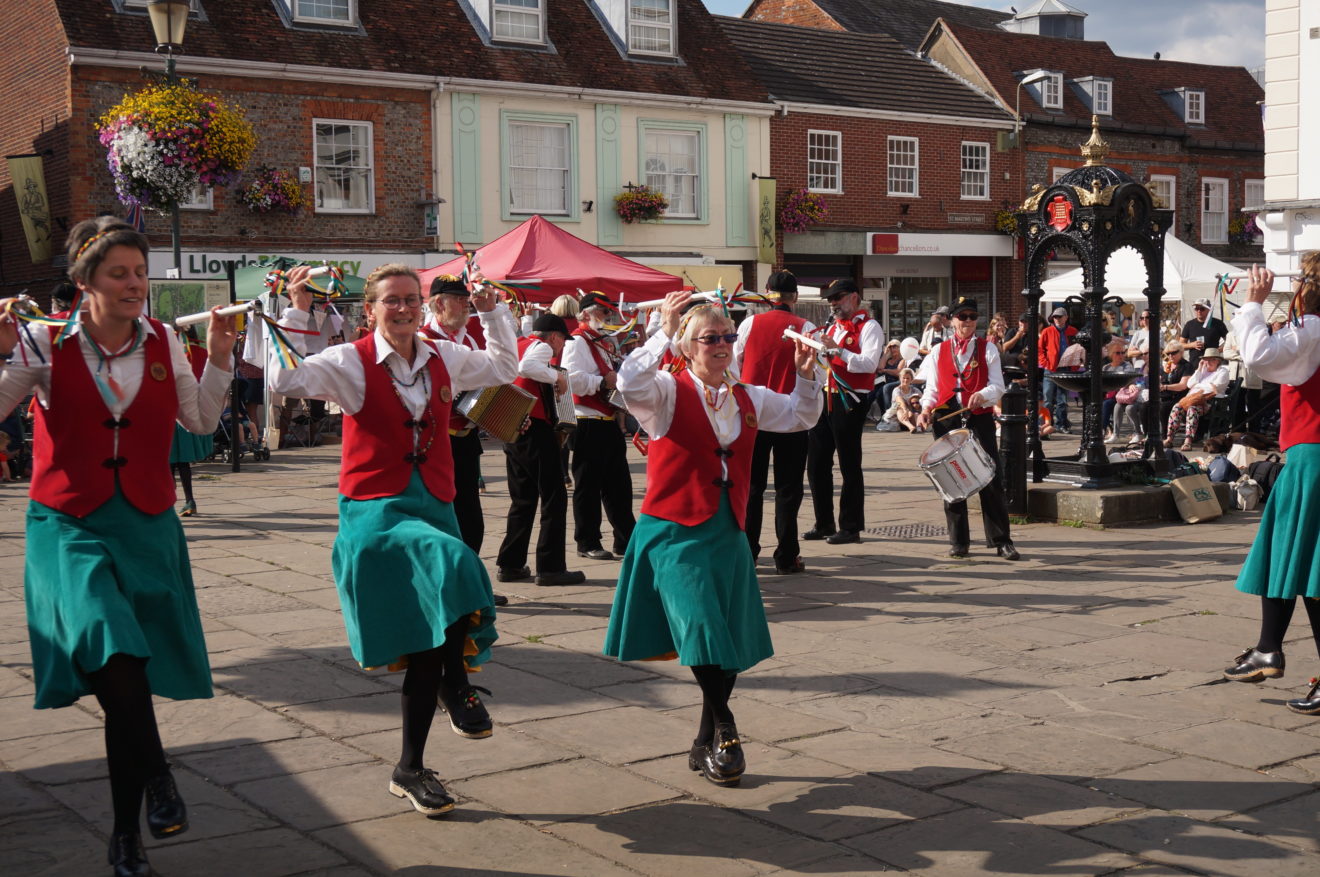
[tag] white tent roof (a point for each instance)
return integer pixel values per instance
(1189, 274)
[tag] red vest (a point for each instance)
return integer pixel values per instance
(378, 457)
(457, 422)
(683, 472)
(768, 356)
(536, 388)
(973, 379)
(594, 401)
(1299, 409)
(852, 342)
(74, 455)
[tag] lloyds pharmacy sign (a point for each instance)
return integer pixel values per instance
(211, 265)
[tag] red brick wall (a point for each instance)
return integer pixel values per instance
(803, 13)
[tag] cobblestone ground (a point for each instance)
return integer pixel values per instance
(1060, 716)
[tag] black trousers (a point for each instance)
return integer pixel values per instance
(535, 478)
(601, 477)
(467, 488)
(837, 430)
(790, 453)
(994, 506)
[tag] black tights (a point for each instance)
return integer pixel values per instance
(132, 741)
(427, 672)
(185, 478)
(1275, 615)
(716, 688)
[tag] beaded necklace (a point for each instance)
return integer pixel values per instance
(419, 453)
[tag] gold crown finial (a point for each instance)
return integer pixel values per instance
(1094, 149)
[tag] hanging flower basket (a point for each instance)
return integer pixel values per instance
(164, 141)
(1242, 230)
(1006, 222)
(273, 191)
(801, 210)
(642, 204)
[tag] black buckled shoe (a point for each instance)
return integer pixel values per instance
(1008, 552)
(467, 714)
(1309, 705)
(423, 789)
(127, 856)
(723, 762)
(697, 755)
(167, 815)
(1254, 666)
(816, 533)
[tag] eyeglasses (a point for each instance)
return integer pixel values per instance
(964, 317)
(394, 304)
(727, 338)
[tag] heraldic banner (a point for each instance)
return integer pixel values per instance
(29, 177)
(765, 220)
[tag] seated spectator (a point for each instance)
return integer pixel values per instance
(886, 376)
(1208, 381)
(905, 407)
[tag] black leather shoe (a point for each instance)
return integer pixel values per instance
(723, 761)
(127, 856)
(796, 566)
(1008, 552)
(508, 574)
(816, 533)
(697, 755)
(167, 815)
(567, 577)
(501, 600)
(596, 554)
(467, 714)
(1309, 705)
(960, 551)
(843, 537)
(423, 788)
(1254, 666)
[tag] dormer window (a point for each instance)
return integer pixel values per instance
(1194, 106)
(1102, 97)
(1051, 91)
(324, 11)
(518, 21)
(651, 27)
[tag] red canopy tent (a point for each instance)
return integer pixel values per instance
(564, 263)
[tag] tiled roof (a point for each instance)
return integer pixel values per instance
(872, 71)
(1232, 115)
(905, 20)
(435, 38)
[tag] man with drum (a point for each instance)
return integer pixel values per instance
(600, 451)
(963, 375)
(767, 359)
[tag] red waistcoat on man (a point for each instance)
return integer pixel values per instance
(536, 388)
(971, 379)
(684, 478)
(848, 333)
(74, 443)
(1299, 409)
(594, 401)
(768, 357)
(378, 456)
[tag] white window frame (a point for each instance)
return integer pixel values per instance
(1059, 173)
(203, 198)
(1172, 199)
(1248, 198)
(1051, 92)
(984, 172)
(915, 167)
(1194, 116)
(510, 207)
(371, 169)
(1221, 185)
(671, 26)
(702, 205)
(297, 16)
(1102, 106)
(825, 167)
(538, 12)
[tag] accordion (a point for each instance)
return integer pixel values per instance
(560, 410)
(500, 410)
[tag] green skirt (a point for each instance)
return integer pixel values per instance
(116, 581)
(1284, 561)
(404, 575)
(690, 593)
(189, 447)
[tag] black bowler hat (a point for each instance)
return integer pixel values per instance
(550, 323)
(965, 304)
(839, 287)
(448, 284)
(782, 281)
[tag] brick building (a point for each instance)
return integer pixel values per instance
(417, 123)
(905, 157)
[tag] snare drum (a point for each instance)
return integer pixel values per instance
(957, 465)
(500, 410)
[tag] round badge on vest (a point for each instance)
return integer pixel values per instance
(750, 419)
(446, 394)
(158, 371)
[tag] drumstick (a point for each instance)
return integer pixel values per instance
(953, 414)
(202, 317)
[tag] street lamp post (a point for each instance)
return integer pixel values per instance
(1031, 79)
(169, 19)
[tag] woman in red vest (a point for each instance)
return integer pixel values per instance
(688, 588)
(413, 594)
(110, 604)
(1284, 561)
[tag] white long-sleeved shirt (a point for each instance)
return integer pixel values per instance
(992, 392)
(323, 321)
(336, 374)
(871, 340)
(1205, 381)
(199, 404)
(1289, 356)
(584, 376)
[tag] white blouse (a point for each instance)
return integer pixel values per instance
(1289, 356)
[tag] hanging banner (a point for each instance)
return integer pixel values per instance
(29, 178)
(765, 220)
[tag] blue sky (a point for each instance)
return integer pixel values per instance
(1204, 31)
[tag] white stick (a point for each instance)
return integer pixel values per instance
(1242, 275)
(193, 319)
(810, 342)
(707, 296)
(318, 271)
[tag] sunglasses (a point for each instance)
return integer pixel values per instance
(964, 317)
(708, 340)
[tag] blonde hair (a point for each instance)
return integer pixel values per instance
(1309, 295)
(391, 269)
(90, 240)
(565, 306)
(697, 319)
(907, 373)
